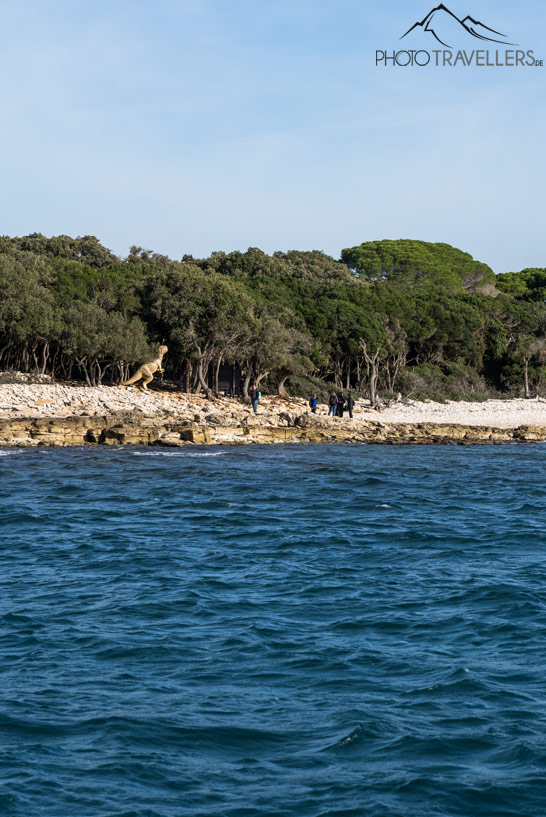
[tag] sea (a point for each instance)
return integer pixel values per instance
(288, 630)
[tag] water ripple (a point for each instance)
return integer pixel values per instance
(289, 630)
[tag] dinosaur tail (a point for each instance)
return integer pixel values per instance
(131, 380)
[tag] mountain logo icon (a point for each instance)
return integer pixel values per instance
(444, 25)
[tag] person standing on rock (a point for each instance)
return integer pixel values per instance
(350, 404)
(255, 397)
(313, 404)
(340, 405)
(332, 404)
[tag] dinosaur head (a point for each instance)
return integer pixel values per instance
(163, 350)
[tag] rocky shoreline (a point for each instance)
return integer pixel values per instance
(129, 430)
(60, 415)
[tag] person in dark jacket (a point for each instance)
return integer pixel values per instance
(313, 404)
(340, 405)
(332, 404)
(350, 404)
(255, 397)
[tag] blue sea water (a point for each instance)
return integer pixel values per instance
(281, 630)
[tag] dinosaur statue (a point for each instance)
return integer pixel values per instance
(147, 370)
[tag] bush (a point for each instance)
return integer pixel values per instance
(452, 381)
(307, 385)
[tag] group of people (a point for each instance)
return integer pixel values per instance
(337, 404)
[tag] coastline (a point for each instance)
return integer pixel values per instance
(62, 415)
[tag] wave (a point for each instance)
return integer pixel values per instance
(347, 740)
(178, 454)
(260, 637)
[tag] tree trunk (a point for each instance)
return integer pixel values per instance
(389, 376)
(373, 383)
(337, 373)
(392, 368)
(372, 369)
(358, 374)
(189, 372)
(217, 375)
(123, 372)
(35, 356)
(260, 378)
(81, 362)
(348, 378)
(246, 383)
(45, 356)
(195, 385)
(280, 388)
(202, 382)
(53, 367)
(4, 349)
(526, 378)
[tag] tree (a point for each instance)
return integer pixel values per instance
(28, 320)
(371, 353)
(99, 341)
(527, 285)
(410, 261)
(415, 306)
(203, 315)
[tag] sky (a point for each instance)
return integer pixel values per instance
(189, 126)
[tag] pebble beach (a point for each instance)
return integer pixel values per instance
(58, 400)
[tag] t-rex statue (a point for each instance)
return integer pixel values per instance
(147, 370)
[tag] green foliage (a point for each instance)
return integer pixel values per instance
(87, 249)
(27, 311)
(527, 285)
(92, 332)
(307, 385)
(403, 315)
(453, 381)
(410, 262)
(199, 310)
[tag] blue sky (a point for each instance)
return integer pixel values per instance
(187, 126)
